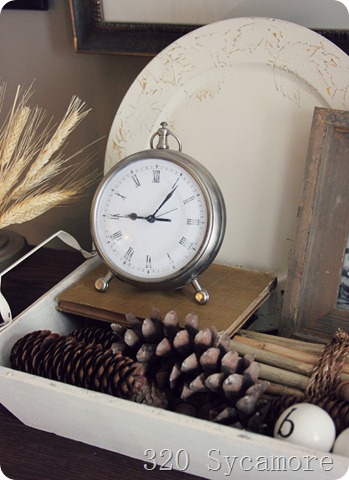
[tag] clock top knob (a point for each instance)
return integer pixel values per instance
(163, 133)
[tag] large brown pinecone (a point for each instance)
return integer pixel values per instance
(197, 369)
(85, 364)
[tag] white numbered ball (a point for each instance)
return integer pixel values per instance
(308, 425)
(341, 445)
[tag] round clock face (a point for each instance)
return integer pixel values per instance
(152, 220)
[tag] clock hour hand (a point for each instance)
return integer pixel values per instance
(166, 199)
(134, 216)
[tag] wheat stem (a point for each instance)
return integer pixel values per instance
(13, 135)
(72, 117)
(6, 131)
(7, 128)
(13, 167)
(27, 146)
(33, 206)
(2, 93)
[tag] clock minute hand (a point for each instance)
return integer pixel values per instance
(166, 199)
(157, 219)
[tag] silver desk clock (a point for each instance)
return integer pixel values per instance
(158, 219)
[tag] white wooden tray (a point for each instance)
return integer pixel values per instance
(130, 429)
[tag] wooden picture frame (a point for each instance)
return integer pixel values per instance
(310, 303)
(27, 5)
(93, 35)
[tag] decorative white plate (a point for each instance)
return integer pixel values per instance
(240, 94)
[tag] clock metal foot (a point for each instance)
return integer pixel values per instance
(201, 295)
(102, 283)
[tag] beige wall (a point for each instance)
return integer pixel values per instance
(38, 46)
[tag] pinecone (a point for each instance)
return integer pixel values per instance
(339, 411)
(325, 389)
(97, 335)
(88, 365)
(264, 419)
(199, 372)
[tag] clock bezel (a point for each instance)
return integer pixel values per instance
(215, 229)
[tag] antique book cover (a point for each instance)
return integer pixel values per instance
(235, 294)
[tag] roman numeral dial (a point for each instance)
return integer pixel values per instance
(152, 218)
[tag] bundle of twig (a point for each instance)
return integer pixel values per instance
(286, 363)
(30, 158)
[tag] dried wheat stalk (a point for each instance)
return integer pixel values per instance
(34, 206)
(30, 159)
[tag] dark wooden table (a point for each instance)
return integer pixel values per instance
(30, 454)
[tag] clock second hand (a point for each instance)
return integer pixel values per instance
(165, 213)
